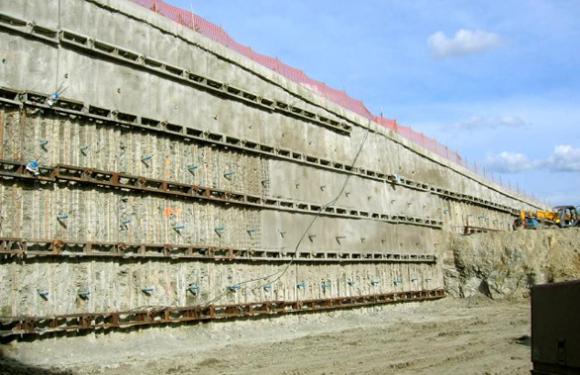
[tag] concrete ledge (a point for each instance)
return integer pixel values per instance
(24, 327)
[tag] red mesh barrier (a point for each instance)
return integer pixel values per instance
(341, 98)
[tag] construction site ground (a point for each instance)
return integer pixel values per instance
(482, 327)
(450, 336)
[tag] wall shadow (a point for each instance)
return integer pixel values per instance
(13, 367)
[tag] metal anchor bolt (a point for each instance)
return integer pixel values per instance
(43, 294)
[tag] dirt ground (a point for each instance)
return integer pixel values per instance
(451, 336)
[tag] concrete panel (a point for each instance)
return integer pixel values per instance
(45, 288)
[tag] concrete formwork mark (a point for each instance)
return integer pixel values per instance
(66, 287)
(84, 150)
(83, 214)
(2, 141)
(88, 215)
(90, 178)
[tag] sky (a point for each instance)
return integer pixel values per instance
(497, 81)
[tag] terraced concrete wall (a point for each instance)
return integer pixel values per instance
(160, 105)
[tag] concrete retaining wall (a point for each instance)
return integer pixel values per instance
(136, 68)
(115, 286)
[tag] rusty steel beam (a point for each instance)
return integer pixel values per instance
(18, 248)
(20, 327)
(470, 229)
(122, 181)
(69, 39)
(67, 107)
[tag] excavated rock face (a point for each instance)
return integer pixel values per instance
(502, 265)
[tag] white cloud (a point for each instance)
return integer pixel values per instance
(487, 122)
(510, 162)
(464, 42)
(564, 158)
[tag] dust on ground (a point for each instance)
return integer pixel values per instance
(450, 336)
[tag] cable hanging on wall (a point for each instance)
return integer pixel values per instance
(278, 274)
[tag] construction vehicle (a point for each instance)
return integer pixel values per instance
(561, 216)
(567, 216)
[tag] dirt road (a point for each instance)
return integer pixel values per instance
(455, 340)
(444, 337)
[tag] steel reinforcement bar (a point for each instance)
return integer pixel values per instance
(73, 108)
(121, 181)
(18, 248)
(19, 327)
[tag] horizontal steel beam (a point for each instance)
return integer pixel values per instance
(18, 248)
(89, 45)
(20, 327)
(70, 39)
(69, 107)
(125, 182)
(470, 229)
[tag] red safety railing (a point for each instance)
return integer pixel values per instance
(341, 98)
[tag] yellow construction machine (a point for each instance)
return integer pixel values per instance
(561, 216)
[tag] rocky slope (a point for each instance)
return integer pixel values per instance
(506, 264)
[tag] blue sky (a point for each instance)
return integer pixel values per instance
(497, 81)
